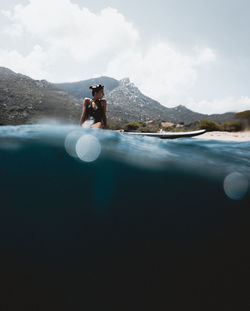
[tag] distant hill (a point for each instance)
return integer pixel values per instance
(24, 100)
(81, 89)
(126, 103)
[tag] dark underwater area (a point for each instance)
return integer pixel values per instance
(93, 219)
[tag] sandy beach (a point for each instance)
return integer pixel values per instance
(226, 136)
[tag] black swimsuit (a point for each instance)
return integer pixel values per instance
(96, 114)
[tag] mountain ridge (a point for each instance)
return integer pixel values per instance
(127, 103)
(25, 100)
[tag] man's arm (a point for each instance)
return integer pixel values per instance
(104, 105)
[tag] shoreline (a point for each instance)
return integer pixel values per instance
(226, 136)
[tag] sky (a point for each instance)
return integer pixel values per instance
(194, 53)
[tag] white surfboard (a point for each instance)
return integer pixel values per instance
(169, 135)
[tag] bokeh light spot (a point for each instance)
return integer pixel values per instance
(70, 142)
(88, 148)
(235, 186)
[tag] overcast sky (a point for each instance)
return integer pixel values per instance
(194, 53)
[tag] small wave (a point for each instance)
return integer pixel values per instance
(213, 158)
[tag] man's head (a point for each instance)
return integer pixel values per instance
(97, 90)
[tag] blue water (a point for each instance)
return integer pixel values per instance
(91, 216)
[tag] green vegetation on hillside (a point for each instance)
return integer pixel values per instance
(241, 123)
(244, 115)
(131, 126)
(210, 126)
(231, 126)
(243, 118)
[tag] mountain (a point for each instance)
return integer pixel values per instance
(24, 100)
(183, 114)
(81, 89)
(126, 103)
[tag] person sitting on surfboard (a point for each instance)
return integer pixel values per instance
(94, 110)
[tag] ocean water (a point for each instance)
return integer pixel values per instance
(92, 217)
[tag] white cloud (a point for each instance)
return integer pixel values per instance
(6, 13)
(34, 64)
(83, 34)
(205, 55)
(229, 104)
(72, 43)
(163, 72)
(73, 38)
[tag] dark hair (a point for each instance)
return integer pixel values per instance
(96, 88)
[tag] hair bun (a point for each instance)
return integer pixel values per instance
(96, 86)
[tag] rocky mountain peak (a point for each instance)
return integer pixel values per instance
(124, 81)
(128, 88)
(181, 108)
